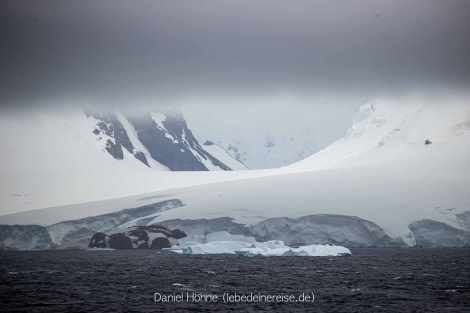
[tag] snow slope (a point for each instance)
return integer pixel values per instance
(264, 151)
(222, 155)
(55, 158)
(381, 172)
(51, 159)
(385, 131)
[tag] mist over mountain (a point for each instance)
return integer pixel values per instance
(163, 137)
(96, 152)
(272, 151)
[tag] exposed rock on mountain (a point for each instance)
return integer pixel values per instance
(108, 124)
(140, 237)
(69, 231)
(170, 142)
(163, 137)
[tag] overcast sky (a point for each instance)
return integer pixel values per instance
(230, 57)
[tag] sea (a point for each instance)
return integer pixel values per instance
(371, 280)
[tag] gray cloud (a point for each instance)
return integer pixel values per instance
(132, 53)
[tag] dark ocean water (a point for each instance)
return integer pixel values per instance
(372, 280)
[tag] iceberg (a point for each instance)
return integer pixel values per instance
(251, 249)
(100, 249)
(215, 247)
(311, 250)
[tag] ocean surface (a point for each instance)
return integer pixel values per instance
(371, 280)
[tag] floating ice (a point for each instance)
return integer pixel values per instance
(100, 249)
(313, 250)
(215, 247)
(268, 248)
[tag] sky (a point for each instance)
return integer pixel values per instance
(258, 62)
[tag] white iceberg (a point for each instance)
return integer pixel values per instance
(215, 247)
(100, 249)
(282, 250)
(249, 248)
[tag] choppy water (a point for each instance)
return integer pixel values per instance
(372, 280)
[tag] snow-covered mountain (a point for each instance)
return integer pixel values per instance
(223, 154)
(380, 185)
(384, 131)
(155, 137)
(272, 150)
(75, 155)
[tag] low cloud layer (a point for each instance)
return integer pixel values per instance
(166, 52)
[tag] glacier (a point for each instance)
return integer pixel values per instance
(75, 155)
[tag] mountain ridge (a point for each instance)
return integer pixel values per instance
(81, 154)
(164, 137)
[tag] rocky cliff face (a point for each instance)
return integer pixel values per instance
(170, 142)
(161, 137)
(140, 237)
(109, 126)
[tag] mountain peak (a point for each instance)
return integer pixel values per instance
(383, 130)
(160, 136)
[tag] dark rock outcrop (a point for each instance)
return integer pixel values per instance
(86, 227)
(170, 142)
(109, 126)
(119, 242)
(139, 237)
(160, 243)
(98, 240)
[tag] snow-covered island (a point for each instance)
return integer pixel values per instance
(382, 185)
